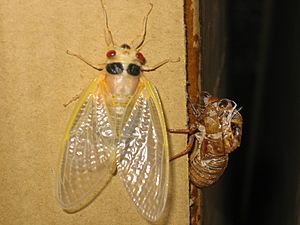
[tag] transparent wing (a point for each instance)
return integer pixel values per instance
(85, 164)
(143, 159)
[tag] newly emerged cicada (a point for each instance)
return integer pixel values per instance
(217, 131)
(117, 127)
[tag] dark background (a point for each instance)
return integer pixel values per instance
(251, 54)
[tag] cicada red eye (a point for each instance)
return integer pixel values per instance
(110, 53)
(140, 57)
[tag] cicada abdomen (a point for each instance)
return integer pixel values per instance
(217, 132)
(117, 128)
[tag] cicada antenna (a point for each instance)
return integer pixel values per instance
(108, 35)
(145, 21)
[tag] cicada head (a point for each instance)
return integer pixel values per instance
(124, 60)
(222, 115)
(123, 70)
(231, 121)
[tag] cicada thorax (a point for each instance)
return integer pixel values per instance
(220, 128)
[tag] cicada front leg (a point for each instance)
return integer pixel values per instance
(190, 144)
(156, 66)
(75, 98)
(97, 67)
(188, 148)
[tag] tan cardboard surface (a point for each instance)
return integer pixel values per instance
(37, 77)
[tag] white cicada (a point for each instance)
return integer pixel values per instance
(117, 127)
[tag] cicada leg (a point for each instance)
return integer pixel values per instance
(186, 150)
(180, 131)
(152, 68)
(97, 67)
(190, 130)
(75, 98)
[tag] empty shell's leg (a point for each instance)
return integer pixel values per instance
(180, 131)
(191, 130)
(186, 150)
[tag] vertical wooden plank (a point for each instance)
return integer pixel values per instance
(193, 88)
(206, 55)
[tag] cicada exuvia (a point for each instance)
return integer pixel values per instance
(117, 127)
(216, 132)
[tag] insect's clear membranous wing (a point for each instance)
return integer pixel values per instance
(143, 160)
(84, 169)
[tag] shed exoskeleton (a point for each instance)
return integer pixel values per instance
(216, 132)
